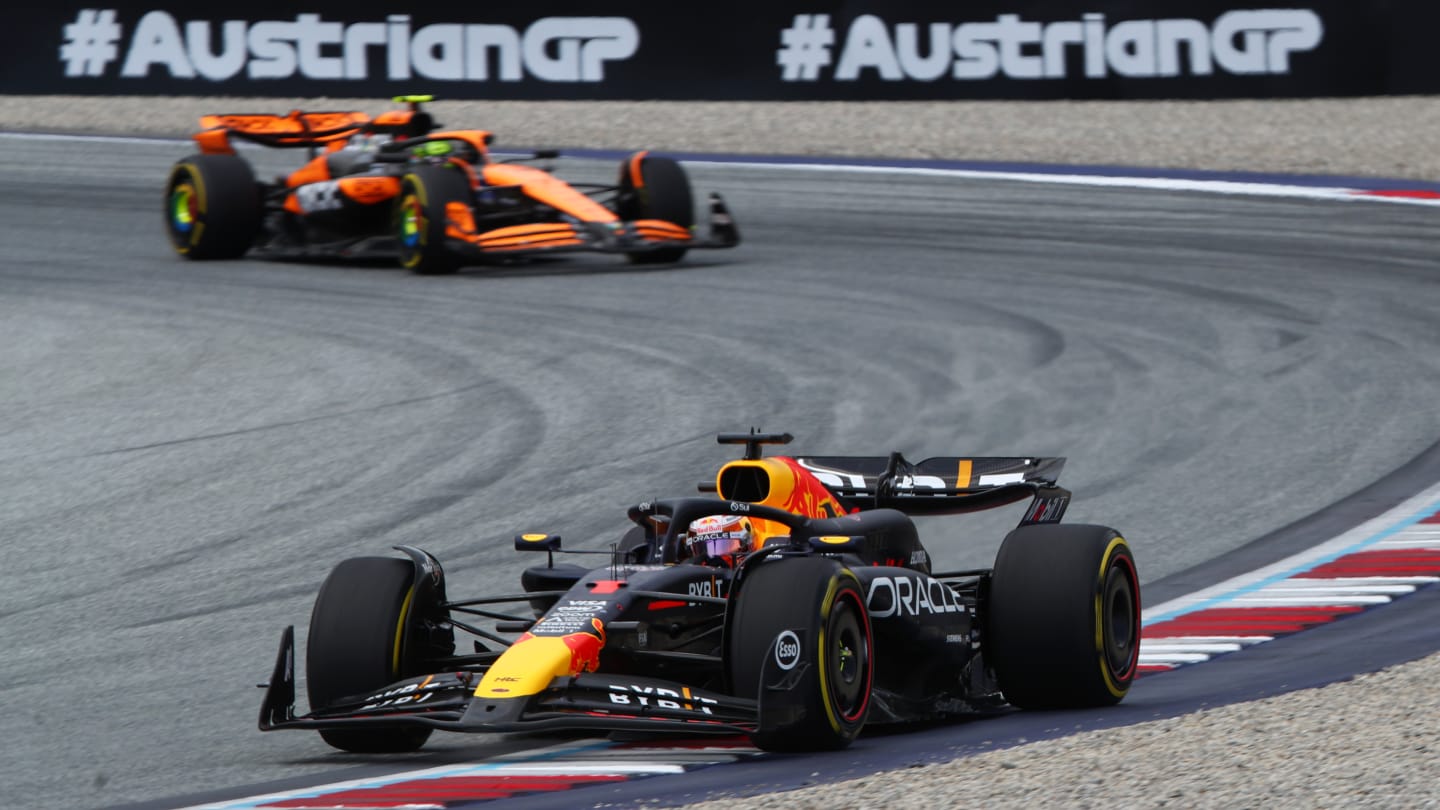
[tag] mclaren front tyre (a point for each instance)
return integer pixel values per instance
(420, 217)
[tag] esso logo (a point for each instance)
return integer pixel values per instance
(787, 650)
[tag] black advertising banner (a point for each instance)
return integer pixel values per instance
(1043, 49)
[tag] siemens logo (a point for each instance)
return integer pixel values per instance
(1242, 42)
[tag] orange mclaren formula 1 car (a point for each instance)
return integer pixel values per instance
(396, 186)
(796, 607)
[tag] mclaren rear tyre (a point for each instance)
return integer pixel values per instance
(212, 207)
(655, 187)
(1063, 623)
(357, 645)
(420, 218)
(800, 641)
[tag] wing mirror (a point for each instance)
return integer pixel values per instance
(535, 541)
(837, 543)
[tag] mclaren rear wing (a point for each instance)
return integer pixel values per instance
(311, 129)
(298, 129)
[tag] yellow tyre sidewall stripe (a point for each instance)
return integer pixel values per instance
(1111, 550)
(836, 722)
(400, 632)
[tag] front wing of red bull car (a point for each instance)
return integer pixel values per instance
(833, 620)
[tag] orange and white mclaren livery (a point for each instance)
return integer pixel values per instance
(397, 185)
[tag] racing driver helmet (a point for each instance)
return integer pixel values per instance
(719, 536)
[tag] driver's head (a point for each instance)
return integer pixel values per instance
(443, 150)
(718, 536)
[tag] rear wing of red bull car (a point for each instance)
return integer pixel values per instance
(945, 485)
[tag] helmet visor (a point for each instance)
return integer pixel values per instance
(717, 545)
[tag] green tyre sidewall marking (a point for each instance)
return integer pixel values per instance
(413, 206)
(183, 175)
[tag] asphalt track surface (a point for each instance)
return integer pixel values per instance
(187, 448)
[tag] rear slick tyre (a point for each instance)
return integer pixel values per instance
(357, 645)
(1063, 621)
(212, 207)
(803, 621)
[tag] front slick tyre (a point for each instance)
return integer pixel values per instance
(1063, 625)
(356, 646)
(800, 641)
(420, 218)
(212, 207)
(655, 187)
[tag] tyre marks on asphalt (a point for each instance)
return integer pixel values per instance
(1373, 564)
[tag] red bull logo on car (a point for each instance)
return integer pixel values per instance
(533, 661)
(585, 648)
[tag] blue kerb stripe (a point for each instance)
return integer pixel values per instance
(1384, 534)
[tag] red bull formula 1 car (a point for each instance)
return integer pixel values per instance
(396, 186)
(795, 607)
